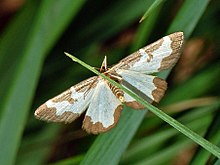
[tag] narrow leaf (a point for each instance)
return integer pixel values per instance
(45, 29)
(174, 123)
(151, 9)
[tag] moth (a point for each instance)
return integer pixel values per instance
(103, 101)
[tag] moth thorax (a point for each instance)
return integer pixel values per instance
(117, 92)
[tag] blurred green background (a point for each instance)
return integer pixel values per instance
(33, 68)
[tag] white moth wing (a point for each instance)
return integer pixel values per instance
(70, 104)
(131, 102)
(149, 87)
(160, 55)
(104, 110)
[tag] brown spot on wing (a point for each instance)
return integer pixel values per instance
(49, 114)
(65, 96)
(176, 46)
(83, 86)
(130, 60)
(149, 49)
(86, 84)
(161, 87)
(98, 127)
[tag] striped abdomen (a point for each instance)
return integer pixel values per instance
(116, 91)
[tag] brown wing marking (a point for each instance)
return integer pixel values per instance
(98, 127)
(50, 113)
(161, 87)
(176, 46)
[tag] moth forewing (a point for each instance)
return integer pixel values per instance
(70, 104)
(104, 110)
(160, 55)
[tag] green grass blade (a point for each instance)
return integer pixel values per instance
(45, 30)
(199, 84)
(115, 17)
(151, 9)
(213, 134)
(163, 156)
(71, 161)
(146, 145)
(35, 148)
(174, 123)
(217, 162)
(144, 30)
(184, 19)
(11, 45)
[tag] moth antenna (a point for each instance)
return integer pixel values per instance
(104, 66)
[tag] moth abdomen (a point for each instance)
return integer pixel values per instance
(116, 91)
